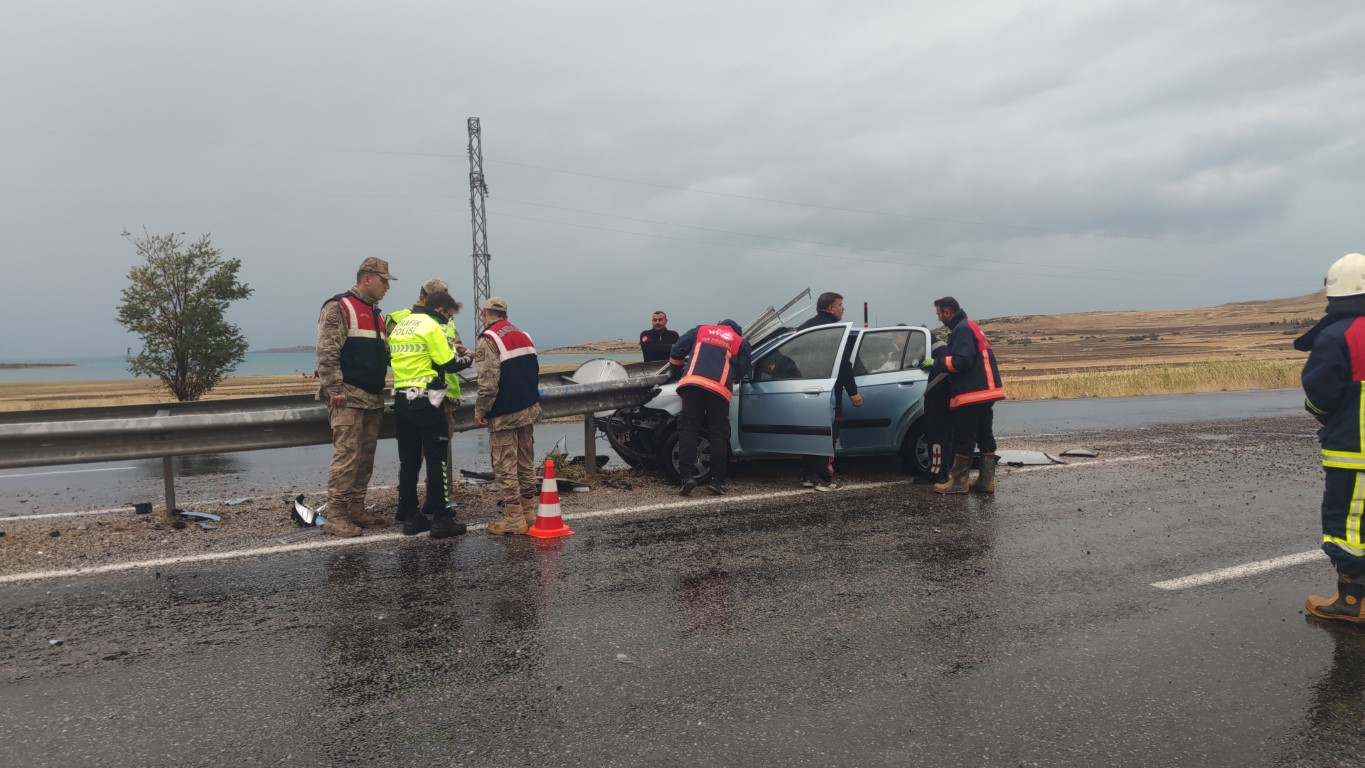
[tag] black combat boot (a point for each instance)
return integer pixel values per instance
(415, 522)
(985, 479)
(443, 525)
(1344, 605)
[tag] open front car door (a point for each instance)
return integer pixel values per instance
(787, 404)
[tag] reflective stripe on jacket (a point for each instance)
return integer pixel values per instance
(519, 381)
(715, 357)
(364, 356)
(1333, 379)
(418, 348)
(975, 374)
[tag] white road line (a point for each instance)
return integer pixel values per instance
(67, 472)
(1078, 464)
(191, 505)
(1239, 571)
(328, 543)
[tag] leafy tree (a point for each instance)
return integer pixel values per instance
(175, 302)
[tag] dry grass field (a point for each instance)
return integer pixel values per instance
(1246, 345)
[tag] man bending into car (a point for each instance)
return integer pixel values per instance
(714, 358)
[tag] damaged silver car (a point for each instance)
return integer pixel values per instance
(786, 405)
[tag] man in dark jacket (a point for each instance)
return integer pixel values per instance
(658, 341)
(1332, 384)
(818, 471)
(938, 425)
(975, 379)
(710, 359)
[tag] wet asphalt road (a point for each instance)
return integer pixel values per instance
(886, 626)
(215, 477)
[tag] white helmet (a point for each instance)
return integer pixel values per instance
(1346, 277)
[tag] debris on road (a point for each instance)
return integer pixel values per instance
(235, 502)
(142, 508)
(624, 659)
(1016, 458)
(305, 515)
(56, 641)
(1088, 453)
(199, 515)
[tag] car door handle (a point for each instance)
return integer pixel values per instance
(811, 391)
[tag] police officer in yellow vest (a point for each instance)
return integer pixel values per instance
(452, 400)
(423, 363)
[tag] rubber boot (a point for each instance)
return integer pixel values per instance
(443, 525)
(985, 479)
(1344, 605)
(513, 521)
(364, 519)
(957, 476)
(337, 520)
(530, 509)
(415, 522)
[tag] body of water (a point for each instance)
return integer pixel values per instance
(255, 364)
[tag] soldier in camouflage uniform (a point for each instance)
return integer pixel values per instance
(509, 404)
(353, 360)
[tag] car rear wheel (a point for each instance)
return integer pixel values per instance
(915, 451)
(668, 459)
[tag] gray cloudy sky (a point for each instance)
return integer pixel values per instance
(705, 158)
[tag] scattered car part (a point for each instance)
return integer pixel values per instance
(235, 502)
(1018, 458)
(305, 515)
(199, 515)
(1088, 453)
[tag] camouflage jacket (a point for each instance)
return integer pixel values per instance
(490, 376)
(331, 337)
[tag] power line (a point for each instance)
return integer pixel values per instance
(851, 247)
(655, 185)
(955, 268)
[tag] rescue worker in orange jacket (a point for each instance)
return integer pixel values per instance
(710, 359)
(1332, 383)
(974, 377)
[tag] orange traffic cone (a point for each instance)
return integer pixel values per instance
(549, 521)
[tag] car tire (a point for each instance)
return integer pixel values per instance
(668, 458)
(914, 451)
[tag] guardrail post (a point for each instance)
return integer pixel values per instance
(168, 476)
(589, 444)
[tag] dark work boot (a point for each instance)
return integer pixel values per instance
(716, 487)
(1344, 605)
(957, 476)
(415, 522)
(443, 525)
(985, 479)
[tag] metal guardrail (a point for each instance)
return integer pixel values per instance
(121, 433)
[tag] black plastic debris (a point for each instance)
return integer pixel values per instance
(305, 515)
(179, 525)
(199, 515)
(142, 508)
(571, 486)
(54, 533)
(578, 461)
(1088, 453)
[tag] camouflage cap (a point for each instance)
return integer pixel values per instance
(377, 266)
(496, 302)
(433, 285)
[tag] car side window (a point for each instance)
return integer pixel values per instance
(893, 350)
(808, 356)
(881, 351)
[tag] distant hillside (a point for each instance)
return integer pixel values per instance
(1248, 329)
(608, 346)
(301, 348)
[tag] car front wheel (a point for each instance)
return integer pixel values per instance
(915, 451)
(668, 459)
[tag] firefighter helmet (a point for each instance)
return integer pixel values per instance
(1346, 277)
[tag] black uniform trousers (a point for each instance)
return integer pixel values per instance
(938, 430)
(708, 412)
(1343, 493)
(974, 427)
(422, 433)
